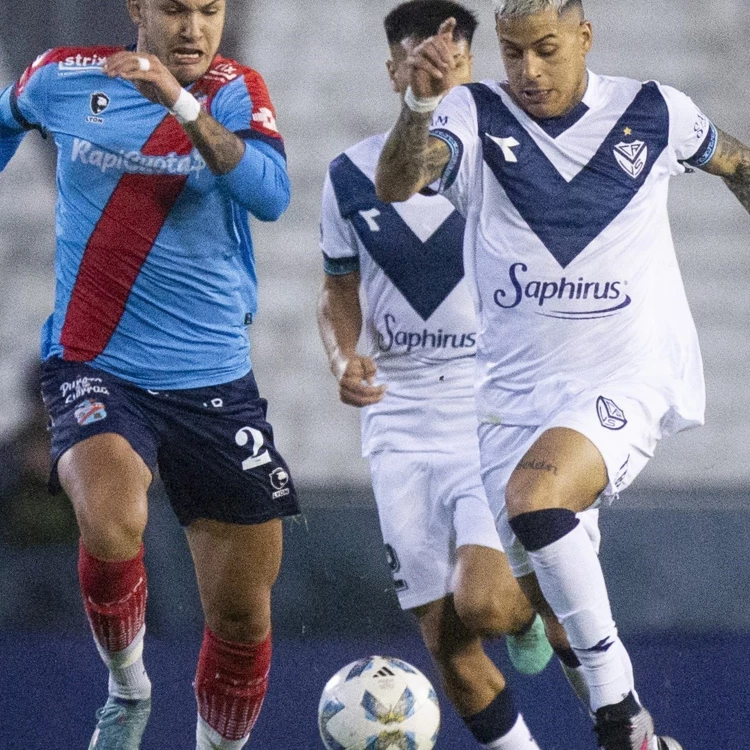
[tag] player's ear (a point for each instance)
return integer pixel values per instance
(391, 68)
(135, 10)
(587, 36)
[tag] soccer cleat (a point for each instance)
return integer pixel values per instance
(530, 651)
(630, 733)
(120, 724)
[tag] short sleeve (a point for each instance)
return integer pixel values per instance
(455, 123)
(692, 136)
(337, 238)
(244, 107)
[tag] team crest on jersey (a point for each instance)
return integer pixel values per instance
(99, 102)
(631, 157)
(88, 412)
(610, 414)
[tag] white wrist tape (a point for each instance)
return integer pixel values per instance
(186, 108)
(421, 105)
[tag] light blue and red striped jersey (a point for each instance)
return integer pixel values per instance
(155, 273)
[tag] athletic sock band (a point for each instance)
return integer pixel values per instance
(541, 528)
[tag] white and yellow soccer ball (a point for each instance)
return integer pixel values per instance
(379, 703)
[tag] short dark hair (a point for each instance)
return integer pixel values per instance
(422, 18)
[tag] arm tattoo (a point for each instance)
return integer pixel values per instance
(221, 149)
(732, 163)
(410, 159)
(739, 184)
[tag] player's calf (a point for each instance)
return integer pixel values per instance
(230, 685)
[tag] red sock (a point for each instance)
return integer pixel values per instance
(114, 596)
(231, 683)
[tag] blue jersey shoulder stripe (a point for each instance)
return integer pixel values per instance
(424, 272)
(568, 216)
(275, 143)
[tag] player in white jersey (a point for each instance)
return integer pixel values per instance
(587, 353)
(419, 427)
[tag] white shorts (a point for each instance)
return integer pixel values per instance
(429, 505)
(622, 422)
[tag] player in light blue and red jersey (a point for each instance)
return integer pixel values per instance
(163, 150)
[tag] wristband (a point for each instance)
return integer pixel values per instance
(186, 109)
(421, 104)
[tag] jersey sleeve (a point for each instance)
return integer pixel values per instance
(692, 136)
(11, 131)
(337, 238)
(455, 123)
(244, 107)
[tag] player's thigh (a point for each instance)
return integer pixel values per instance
(218, 460)
(562, 469)
(501, 449)
(236, 566)
(102, 450)
(417, 527)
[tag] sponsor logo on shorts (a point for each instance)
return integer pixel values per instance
(73, 390)
(395, 565)
(89, 412)
(279, 481)
(584, 299)
(610, 414)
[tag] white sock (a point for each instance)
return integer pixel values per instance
(127, 673)
(571, 579)
(207, 738)
(519, 738)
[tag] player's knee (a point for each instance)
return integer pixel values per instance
(239, 622)
(112, 538)
(493, 615)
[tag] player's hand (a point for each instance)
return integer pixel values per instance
(356, 376)
(431, 62)
(148, 73)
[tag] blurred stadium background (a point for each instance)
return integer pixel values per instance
(676, 548)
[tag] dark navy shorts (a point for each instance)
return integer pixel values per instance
(213, 446)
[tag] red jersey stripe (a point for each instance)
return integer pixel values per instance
(119, 246)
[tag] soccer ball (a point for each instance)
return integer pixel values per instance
(379, 703)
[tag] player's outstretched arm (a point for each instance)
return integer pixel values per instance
(411, 159)
(340, 324)
(731, 161)
(11, 132)
(255, 180)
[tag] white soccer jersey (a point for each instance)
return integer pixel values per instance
(568, 244)
(419, 319)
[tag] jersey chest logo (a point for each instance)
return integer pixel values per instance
(567, 215)
(632, 157)
(424, 272)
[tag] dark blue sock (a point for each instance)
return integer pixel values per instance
(568, 657)
(495, 721)
(541, 528)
